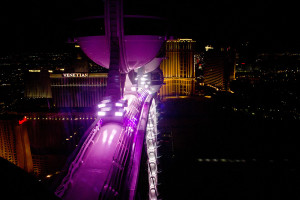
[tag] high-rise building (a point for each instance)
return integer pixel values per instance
(178, 68)
(37, 84)
(180, 59)
(219, 68)
(74, 90)
(177, 87)
(14, 144)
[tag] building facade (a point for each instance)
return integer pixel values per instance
(180, 59)
(37, 84)
(77, 89)
(178, 68)
(219, 69)
(14, 144)
(41, 142)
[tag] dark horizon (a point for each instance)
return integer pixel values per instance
(267, 25)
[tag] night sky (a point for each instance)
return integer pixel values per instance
(47, 24)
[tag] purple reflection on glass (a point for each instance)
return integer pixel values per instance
(104, 136)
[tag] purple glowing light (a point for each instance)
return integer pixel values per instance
(104, 136)
(112, 135)
(105, 101)
(119, 104)
(118, 114)
(106, 109)
(101, 113)
(86, 182)
(102, 105)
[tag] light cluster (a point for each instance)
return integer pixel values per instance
(111, 108)
(144, 81)
(60, 118)
(225, 160)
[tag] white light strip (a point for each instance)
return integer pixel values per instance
(102, 105)
(119, 114)
(151, 141)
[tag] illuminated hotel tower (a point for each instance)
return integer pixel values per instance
(180, 59)
(14, 144)
(178, 68)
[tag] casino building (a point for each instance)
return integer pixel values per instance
(77, 89)
(178, 68)
(76, 85)
(180, 59)
(14, 144)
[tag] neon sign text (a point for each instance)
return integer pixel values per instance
(75, 75)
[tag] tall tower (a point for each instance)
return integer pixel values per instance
(178, 68)
(14, 144)
(180, 59)
(218, 68)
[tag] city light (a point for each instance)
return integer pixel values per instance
(208, 47)
(22, 121)
(34, 70)
(224, 160)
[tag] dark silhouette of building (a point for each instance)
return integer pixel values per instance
(15, 183)
(219, 68)
(15, 145)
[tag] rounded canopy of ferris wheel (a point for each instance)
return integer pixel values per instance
(142, 40)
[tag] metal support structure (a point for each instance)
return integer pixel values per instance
(114, 32)
(151, 144)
